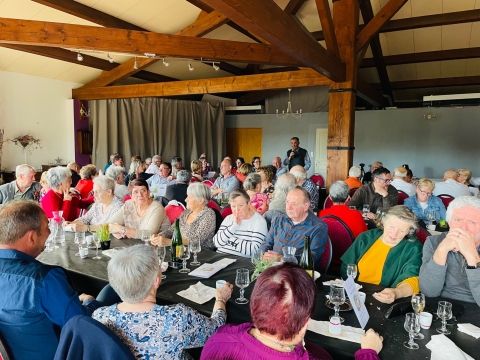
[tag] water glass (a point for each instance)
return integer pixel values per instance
(79, 239)
(337, 298)
(256, 256)
(444, 312)
(184, 255)
(96, 241)
(242, 280)
(161, 252)
(418, 304)
(289, 254)
(412, 326)
(145, 236)
(195, 248)
(352, 271)
(365, 210)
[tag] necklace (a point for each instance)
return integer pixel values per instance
(277, 344)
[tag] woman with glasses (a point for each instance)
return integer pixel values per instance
(425, 206)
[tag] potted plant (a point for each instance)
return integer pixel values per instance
(103, 235)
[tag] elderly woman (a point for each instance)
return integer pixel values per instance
(148, 329)
(105, 206)
(424, 202)
(135, 162)
(85, 184)
(196, 167)
(388, 257)
(243, 171)
(253, 185)
(242, 232)
(197, 222)
(117, 173)
(139, 213)
(281, 304)
(284, 184)
(464, 177)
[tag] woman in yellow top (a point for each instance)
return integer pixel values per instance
(388, 257)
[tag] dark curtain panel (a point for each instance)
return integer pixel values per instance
(149, 126)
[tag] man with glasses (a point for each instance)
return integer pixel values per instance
(378, 195)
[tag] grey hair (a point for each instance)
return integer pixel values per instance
(57, 175)
(462, 201)
(252, 181)
(355, 171)
(132, 272)
(199, 191)
(114, 171)
(156, 157)
(235, 194)
(23, 169)
(339, 191)
(184, 176)
(105, 182)
(133, 166)
(299, 172)
(17, 217)
(403, 213)
(284, 184)
(88, 171)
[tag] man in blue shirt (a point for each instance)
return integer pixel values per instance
(290, 229)
(35, 299)
(226, 182)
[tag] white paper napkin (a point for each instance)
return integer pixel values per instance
(348, 333)
(109, 252)
(339, 282)
(198, 293)
(445, 349)
(469, 329)
(206, 269)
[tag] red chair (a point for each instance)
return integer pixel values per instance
(226, 211)
(446, 199)
(328, 202)
(318, 180)
(352, 191)
(326, 257)
(402, 195)
(422, 234)
(208, 183)
(341, 237)
(173, 210)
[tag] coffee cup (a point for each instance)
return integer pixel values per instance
(220, 283)
(425, 320)
(431, 227)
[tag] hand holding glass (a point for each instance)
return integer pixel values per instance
(337, 298)
(444, 312)
(411, 325)
(242, 280)
(184, 255)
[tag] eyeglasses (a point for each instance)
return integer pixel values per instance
(386, 181)
(425, 192)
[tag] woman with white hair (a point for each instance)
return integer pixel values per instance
(148, 329)
(197, 222)
(105, 206)
(117, 173)
(353, 180)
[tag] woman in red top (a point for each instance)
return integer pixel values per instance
(85, 185)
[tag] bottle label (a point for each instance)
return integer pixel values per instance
(178, 251)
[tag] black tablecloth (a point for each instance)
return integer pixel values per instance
(91, 275)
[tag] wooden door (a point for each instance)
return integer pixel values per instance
(244, 142)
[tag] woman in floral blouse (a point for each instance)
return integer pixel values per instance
(152, 331)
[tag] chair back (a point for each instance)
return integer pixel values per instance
(326, 257)
(3, 351)
(402, 195)
(83, 338)
(173, 210)
(318, 180)
(328, 203)
(341, 237)
(422, 234)
(208, 183)
(352, 191)
(446, 199)
(226, 211)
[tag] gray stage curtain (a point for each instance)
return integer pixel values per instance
(149, 126)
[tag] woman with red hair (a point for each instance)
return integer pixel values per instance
(281, 304)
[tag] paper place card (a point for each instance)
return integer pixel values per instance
(470, 329)
(357, 304)
(198, 293)
(348, 333)
(206, 270)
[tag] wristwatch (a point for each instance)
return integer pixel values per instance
(476, 266)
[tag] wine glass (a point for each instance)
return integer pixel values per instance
(418, 304)
(256, 256)
(79, 239)
(337, 298)
(352, 271)
(195, 248)
(96, 241)
(411, 325)
(444, 312)
(365, 210)
(289, 254)
(161, 252)
(184, 255)
(242, 280)
(145, 236)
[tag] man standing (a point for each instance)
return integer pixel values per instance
(451, 261)
(277, 162)
(226, 182)
(290, 229)
(23, 187)
(35, 299)
(297, 155)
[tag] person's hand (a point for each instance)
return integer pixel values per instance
(216, 191)
(117, 230)
(386, 296)
(67, 196)
(237, 219)
(466, 245)
(450, 243)
(84, 297)
(159, 240)
(272, 256)
(372, 340)
(78, 227)
(224, 293)
(371, 216)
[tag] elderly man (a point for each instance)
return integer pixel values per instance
(158, 182)
(450, 185)
(117, 173)
(23, 187)
(177, 190)
(154, 166)
(226, 182)
(290, 229)
(277, 162)
(301, 177)
(379, 194)
(451, 261)
(36, 300)
(399, 183)
(297, 155)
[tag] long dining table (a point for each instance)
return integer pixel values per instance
(89, 275)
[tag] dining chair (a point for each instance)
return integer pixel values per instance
(326, 257)
(341, 237)
(402, 195)
(318, 180)
(446, 199)
(208, 183)
(173, 210)
(352, 191)
(328, 203)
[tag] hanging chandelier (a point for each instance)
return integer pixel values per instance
(289, 112)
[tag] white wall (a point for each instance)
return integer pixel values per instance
(42, 108)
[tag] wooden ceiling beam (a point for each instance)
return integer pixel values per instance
(438, 82)
(267, 20)
(293, 6)
(326, 21)
(300, 78)
(377, 22)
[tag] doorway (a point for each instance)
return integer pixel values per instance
(244, 142)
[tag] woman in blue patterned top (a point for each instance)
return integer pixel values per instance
(152, 331)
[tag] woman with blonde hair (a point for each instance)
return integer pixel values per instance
(424, 204)
(196, 167)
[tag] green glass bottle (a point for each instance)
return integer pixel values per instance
(177, 247)
(306, 261)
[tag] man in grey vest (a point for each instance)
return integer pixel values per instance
(23, 187)
(297, 155)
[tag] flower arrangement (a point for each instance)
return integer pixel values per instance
(26, 141)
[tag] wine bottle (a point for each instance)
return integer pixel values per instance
(306, 261)
(177, 247)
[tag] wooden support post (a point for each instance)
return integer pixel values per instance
(341, 112)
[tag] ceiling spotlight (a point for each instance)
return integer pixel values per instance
(215, 66)
(135, 65)
(79, 57)
(110, 58)
(190, 67)
(165, 62)
(150, 55)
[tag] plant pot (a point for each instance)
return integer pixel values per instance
(105, 245)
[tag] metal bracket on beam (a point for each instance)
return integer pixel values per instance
(342, 90)
(340, 147)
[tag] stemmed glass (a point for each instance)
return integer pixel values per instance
(79, 239)
(337, 298)
(242, 280)
(412, 325)
(418, 304)
(365, 210)
(195, 248)
(145, 236)
(184, 255)
(352, 271)
(161, 252)
(96, 240)
(256, 256)
(289, 254)
(431, 217)
(444, 312)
